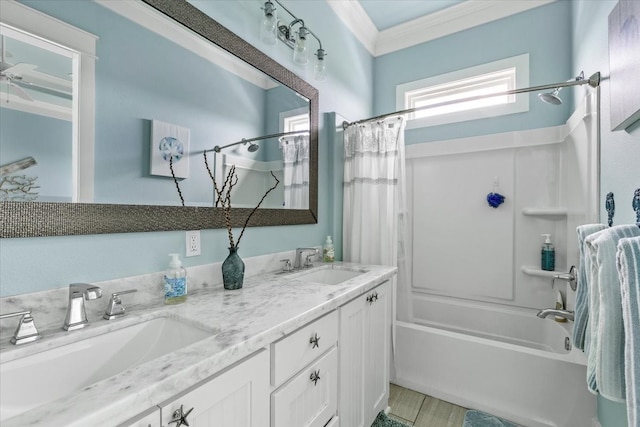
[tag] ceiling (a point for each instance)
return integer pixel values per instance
(385, 26)
(385, 14)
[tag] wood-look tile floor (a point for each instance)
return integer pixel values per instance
(418, 410)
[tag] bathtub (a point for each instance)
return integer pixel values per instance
(497, 359)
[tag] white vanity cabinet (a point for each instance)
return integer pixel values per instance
(365, 345)
(305, 375)
(238, 397)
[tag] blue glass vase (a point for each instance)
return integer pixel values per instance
(233, 270)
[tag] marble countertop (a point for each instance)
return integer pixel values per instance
(268, 307)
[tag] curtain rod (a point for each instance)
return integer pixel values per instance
(217, 148)
(593, 81)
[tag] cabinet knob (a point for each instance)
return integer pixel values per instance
(314, 341)
(180, 417)
(315, 376)
(372, 298)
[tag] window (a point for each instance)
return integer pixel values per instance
(296, 123)
(443, 90)
(295, 120)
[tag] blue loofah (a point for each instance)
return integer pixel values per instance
(495, 199)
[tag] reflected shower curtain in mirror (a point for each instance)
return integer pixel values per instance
(295, 152)
(375, 223)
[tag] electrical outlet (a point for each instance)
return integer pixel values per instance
(193, 243)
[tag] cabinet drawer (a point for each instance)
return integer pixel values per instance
(297, 350)
(305, 402)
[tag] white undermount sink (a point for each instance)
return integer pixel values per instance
(329, 275)
(41, 378)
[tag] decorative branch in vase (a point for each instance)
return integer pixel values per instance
(233, 266)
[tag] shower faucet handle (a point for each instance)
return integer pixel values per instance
(570, 277)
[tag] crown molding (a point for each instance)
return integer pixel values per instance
(448, 21)
(442, 23)
(353, 15)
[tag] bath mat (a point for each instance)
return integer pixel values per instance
(473, 418)
(383, 421)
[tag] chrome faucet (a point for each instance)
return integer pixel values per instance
(567, 314)
(298, 261)
(76, 315)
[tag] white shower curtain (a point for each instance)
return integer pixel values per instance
(375, 223)
(295, 152)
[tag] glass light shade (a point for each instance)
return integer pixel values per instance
(320, 68)
(300, 51)
(268, 28)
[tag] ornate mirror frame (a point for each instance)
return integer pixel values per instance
(37, 219)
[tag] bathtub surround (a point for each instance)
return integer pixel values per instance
(476, 279)
(628, 262)
(605, 357)
(547, 174)
(581, 315)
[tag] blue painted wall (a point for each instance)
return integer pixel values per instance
(549, 49)
(620, 150)
(33, 264)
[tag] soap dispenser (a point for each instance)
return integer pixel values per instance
(328, 251)
(175, 282)
(548, 254)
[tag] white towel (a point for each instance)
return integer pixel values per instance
(580, 324)
(628, 257)
(606, 351)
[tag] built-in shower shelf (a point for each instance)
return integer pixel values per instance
(548, 212)
(531, 270)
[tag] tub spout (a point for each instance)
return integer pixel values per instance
(555, 312)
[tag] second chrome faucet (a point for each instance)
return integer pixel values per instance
(298, 261)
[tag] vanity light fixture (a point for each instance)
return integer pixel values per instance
(273, 29)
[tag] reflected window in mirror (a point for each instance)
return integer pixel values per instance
(36, 115)
(46, 80)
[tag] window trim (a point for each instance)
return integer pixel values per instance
(521, 104)
(284, 115)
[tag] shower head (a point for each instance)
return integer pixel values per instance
(253, 147)
(551, 97)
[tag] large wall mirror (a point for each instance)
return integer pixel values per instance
(164, 80)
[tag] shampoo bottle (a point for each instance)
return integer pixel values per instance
(175, 282)
(548, 258)
(328, 251)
